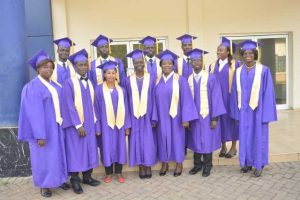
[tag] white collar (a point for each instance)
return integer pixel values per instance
(79, 76)
(148, 58)
(61, 63)
(185, 57)
(225, 61)
(168, 77)
(199, 74)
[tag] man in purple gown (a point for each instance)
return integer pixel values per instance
(183, 66)
(252, 102)
(63, 68)
(142, 144)
(173, 109)
(152, 62)
(79, 124)
(40, 125)
(205, 134)
(102, 43)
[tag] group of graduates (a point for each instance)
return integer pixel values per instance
(168, 104)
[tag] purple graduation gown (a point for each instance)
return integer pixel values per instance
(229, 126)
(62, 73)
(37, 121)
(142, 140)
(170, 132)
(82, 152)
(122, 73)
(254, 124)
(152, 69)
(201, 138)
(112, 142)
(187, 69)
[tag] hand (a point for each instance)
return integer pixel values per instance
(81, 132)
(127, 132)
(154, 125)
(185, 124)
(213, 124)
(41, 142)
(98, 133)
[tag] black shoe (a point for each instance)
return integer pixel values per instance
(90, 181)
(177, 173)
(148, 176)
(65, 186)
(76, 187)
(206, 171)
(257, 173)
(228, 155)
(46, 192)
(246, 169)
(222, 153)
(142, 174)
(163, 173)
(195, 170)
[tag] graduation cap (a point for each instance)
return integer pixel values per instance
(65, 42)
(101, 40)
(37, 58)
(186, 38)
(228, 43)
(196, 53)
(167, 55)
(148, 41)
(108, 65)
(136, 54)
(249, 45)
(81, 55)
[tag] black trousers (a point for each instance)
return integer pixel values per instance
(207, 160)
(75, 175)
(110, 170)
(197, 160)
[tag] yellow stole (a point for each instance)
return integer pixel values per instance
(204, 107)
(98, 71)
(113, 121)
(254, 97)
(231, 72)
(139, 104)
(175, 95)
(158, 68)
(55, 75)
(179, 65)
(55, 99)
(78, 97)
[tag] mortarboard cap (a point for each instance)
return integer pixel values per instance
(148, 41)
(196, 53)
(249, 45)
(186, 38)
(136, 54)
(81, 55)
(227, 43)
(65, 42)
(167, 55)
(37, 58)
(101, 40)
(108, 65)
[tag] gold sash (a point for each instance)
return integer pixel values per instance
(78, 97)
(231, 72)
(204, 107)
(179, 65)
(55, 99)
(139, 104)
(254, 97)
(113, 121)
(175, 94)
(99, 74)
(55, 75)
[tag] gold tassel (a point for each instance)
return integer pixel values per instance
(156, 45)
(109, 47)
(258, 53)
(202, 60)
(231, 51)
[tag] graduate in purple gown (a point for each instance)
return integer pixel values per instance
(40, 125)
(79, 124)
(183, 65)
(252, 103)
(205, 135)
(63, 67)
(142, 144)
(113, 122)
(152, 62)
(173, 109)
(102, 43)
(224, 69)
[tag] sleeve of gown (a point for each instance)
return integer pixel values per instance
(217, 104)
(97, 106)
(91, 73)
(187, 105)
(32, 115)
(269, 112)
(127, 113)
(70, 115)
(154, 116)
(122, 72)
(234, 110)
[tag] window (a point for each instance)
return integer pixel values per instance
(121, 47)
(274, 54)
